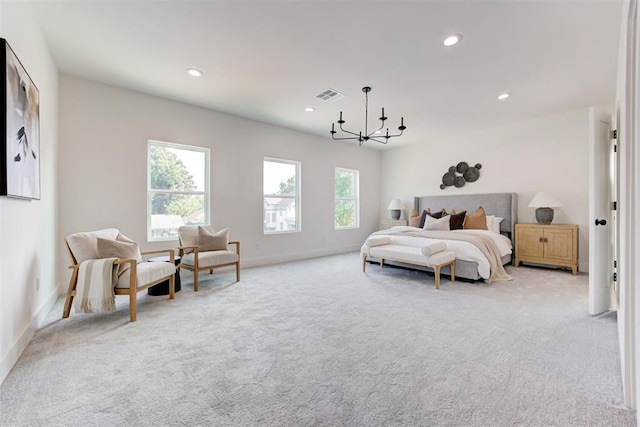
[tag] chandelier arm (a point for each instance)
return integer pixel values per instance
(346, 131)
(377, 140)
(377, 130)
(345, 138)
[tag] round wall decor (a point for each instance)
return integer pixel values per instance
(467, 174)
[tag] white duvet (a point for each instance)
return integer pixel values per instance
(464, 250)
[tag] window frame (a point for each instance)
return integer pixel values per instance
(207, 185)
(355, 198)
(297, 197)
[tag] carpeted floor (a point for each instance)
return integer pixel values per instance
(319, 343)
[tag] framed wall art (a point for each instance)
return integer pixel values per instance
(20, 125)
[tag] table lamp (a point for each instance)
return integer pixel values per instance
(395, 207)
(544, 202)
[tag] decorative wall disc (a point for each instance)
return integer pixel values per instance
(466, 174)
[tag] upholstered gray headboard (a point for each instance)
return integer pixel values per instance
(504, 205)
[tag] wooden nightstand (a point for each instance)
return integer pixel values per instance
(547, 244)
(388, 223)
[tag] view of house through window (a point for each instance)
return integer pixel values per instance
(346, 190)
(178, 188)
(281, 187)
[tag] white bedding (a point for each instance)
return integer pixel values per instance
(464, 250)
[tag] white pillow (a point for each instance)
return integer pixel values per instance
(496, 224)
(430, 223)
(493, 223)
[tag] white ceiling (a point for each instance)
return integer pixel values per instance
(267, 60)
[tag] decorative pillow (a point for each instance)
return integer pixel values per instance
(377, 241)
(423, 216)
(433, 248)
(476, 220)
(414, 221)
(495, 226)
(431, 223)
(438, 215)
(208, 241)
(121, 248)
(457, 220)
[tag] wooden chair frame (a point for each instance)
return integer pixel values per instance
(196, 268)
(132, 290)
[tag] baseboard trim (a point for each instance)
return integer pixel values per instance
(297, 256)
(288, 257)
(11, 357)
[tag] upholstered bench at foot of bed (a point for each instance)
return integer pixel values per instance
(413, 255)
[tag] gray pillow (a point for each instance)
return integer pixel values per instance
(121, 248)
(208, 241)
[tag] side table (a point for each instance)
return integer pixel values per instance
(162, 288)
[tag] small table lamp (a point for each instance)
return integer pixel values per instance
(544, 202)
(395, 207)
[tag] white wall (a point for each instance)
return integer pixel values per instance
(544, 154)
(28, 229)
(103, 175)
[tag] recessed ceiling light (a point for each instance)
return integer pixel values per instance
(194, 72)
(503, 96)
(309, 109)
(452, 40)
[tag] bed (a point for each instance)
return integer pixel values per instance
(470, 263)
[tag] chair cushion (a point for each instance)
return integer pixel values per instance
(147, 273)
(211, 258)
(188, 235)
(208, 241)
(84, 246)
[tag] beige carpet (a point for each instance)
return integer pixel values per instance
(319, 343)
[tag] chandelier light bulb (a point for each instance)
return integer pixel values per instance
(503, 96)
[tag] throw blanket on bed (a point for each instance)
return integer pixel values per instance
(94, 291)
(483, 243)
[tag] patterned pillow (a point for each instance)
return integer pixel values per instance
(476, 220)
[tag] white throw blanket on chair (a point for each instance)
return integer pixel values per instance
(94, 291)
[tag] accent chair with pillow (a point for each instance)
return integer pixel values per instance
(202, 248)
(106, 263)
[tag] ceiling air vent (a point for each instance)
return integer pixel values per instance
(330, 95)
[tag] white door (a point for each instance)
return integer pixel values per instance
(601, 220)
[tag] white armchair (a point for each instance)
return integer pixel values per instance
(201, 248)
(130, 275)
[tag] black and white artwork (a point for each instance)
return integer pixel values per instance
(20, 159)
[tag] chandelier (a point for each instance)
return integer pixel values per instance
(365, 136)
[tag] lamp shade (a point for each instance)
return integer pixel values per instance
(395, 204)
(544, 200)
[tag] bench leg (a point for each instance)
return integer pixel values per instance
(453, 271)
(381, 262)
(364, 262)
(436, 272)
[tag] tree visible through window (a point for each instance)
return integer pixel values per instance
(346, 193)
(178, 188)
(281, 188)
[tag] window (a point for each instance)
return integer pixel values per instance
(281, 188)
(347, 199)
(177, 188)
